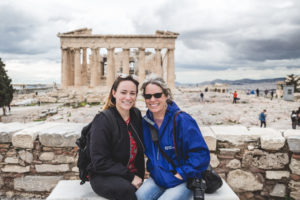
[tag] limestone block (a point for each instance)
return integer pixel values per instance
(294, 186)
(209, 138)
(294, 143)
(236, 135)
(257, 132)
(64, 159)
(15, 169)
(272, 142)
(241, 181)
(46, 99)
(234, 164)
(26, 156)
(214, 161)
(279, 190)
(291, 132)
(264, 160)
(229, 151)
(75, 169)
(36, 183)
(277, 175)
(26, 137)
(61, 135)
(295, 166)
(94, 98)
(46, 156)
(52, 168)
(11, 160)
(8, 129)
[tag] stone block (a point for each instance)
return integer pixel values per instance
(294, 186)
(8, 129)
(26, 156)
(64, 159)
(295, 166)
(241, 181)
(15, 169)
(46, 156)
(72, 190)
(236, 135)
(272, 142)
(279, 190)
(214, 161)
(26, 137)
(264, 160)
(291, 132)
(234, 164)
(294, 143)
(61, 135)
(257, 132)
(277, 175)
(1, 182)
(11, 160)
(36, 183)
(209, 138)
(52, 168)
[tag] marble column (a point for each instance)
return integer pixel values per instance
(95, 79)
(110, 76)
(77, 67)
(71, 67)
(126, 66)
(84, 67)
(64, 69)
(158, 65)
(141, 65)
(171, 69)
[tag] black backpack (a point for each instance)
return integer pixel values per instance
(84, 158)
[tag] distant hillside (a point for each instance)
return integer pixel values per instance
(241, 81)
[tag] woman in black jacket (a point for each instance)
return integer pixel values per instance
(117, 153)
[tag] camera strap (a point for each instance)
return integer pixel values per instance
(155, 139)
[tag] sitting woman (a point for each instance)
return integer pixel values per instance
(169, 180)
(117, 153)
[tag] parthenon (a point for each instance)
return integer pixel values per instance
(94, 60)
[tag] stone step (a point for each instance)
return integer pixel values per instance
(72, 190)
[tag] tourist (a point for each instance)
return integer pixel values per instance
(262, 118)
(117, 171)
(298, 116)
(294, 119)
(167, 180)
(234, 97)
(201, 96)
(257, 92)
(272, 94)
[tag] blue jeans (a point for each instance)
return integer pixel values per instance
(151, 191)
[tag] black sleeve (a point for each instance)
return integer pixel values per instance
(100, 150)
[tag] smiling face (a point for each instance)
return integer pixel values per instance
(156, 105)
(125, 95)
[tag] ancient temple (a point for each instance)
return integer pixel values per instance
(82, 63)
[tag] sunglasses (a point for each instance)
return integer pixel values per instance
(156, 95)
(124, 76)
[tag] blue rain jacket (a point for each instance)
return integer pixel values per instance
(193, 152)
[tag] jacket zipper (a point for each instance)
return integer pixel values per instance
(129, 145)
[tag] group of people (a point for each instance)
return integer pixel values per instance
(295, 117)
(117, 153)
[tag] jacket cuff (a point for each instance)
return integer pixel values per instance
(179, 171)
(131, 176)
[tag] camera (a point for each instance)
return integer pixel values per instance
(198, 185)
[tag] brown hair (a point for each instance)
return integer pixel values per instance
(111, 100)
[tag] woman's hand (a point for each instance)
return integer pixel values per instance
(178, 176)
(137, 182)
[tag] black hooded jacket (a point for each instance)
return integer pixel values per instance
(110, 145)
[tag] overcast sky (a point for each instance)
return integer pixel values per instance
(226, 39)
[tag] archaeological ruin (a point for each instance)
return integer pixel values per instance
(93, 60)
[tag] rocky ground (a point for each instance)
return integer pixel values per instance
(217, 109)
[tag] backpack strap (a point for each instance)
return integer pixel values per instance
(175, 132)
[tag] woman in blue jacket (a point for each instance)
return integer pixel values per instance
(166, 181)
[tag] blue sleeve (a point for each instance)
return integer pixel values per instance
(195, 153)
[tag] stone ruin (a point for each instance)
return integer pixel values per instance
(78, 69)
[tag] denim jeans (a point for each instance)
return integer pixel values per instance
(151, 191)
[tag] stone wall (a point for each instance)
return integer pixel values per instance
(257, 163)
